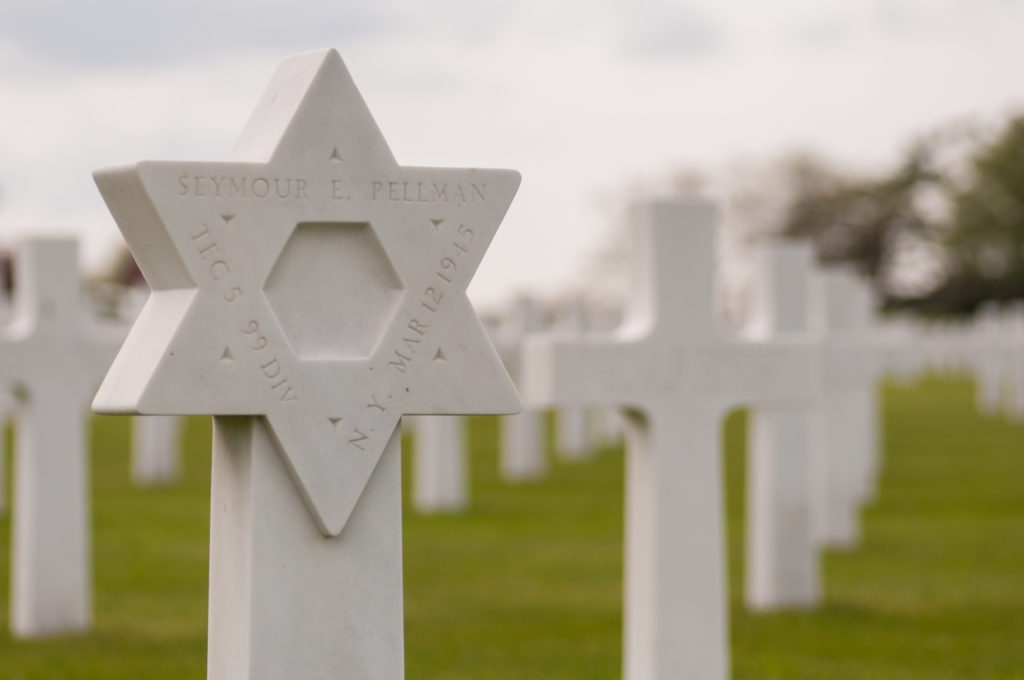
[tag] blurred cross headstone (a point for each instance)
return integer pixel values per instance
(56, 354)
(845, 461)
(440, 476)
(783, 567)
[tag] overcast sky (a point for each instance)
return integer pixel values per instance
(582, 97)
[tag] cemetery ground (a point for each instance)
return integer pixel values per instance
(527, 585)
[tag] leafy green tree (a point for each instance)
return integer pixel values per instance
(860, 220)
(985, 243)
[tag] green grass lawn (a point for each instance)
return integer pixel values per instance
(527, 586)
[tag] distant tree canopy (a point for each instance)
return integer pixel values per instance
(985, 244)
(954, 226)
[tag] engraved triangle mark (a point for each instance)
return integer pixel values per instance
(335, 156)
(437, 224)
(440, 355)
(334, 422)
(227, 218)
(227, 355)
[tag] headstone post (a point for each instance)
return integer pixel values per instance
(783, 569)
(307, 293)
(156, 450)
(985, 360)
(7, 407)
(845, 453)
(606, 422)
(523, 455)
(55, 355)
(676, 376)
(440, 478)
(572, 429)
(1015, 362)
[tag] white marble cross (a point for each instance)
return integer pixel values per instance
(783, 566)
(676, 375)
(56, 355)
(307, 293)
(523, 451)
(845, 462)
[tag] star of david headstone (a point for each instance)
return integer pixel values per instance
(312, 281)
(307, 294)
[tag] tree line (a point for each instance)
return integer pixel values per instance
(942, 233)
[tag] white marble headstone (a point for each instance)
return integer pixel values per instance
(307, 293)
(845, 460)
(523, 452)
(440, 474)
(783, 568)
(676, 375)
(1014, 400)
(7, 407)
(572, 427)
(55, 353)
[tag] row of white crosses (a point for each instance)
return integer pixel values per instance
(995, 356)
(247, 260)
(441, 455)
(987, 348)
(307, 391)
(676, 375)
(806, 369)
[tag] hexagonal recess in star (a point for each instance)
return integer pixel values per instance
(334, 290)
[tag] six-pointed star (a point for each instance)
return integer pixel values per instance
(249, 315)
